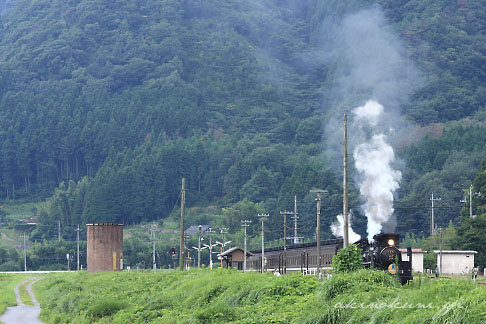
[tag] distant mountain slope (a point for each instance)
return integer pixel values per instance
(448, 40)
(229, 93)
(78, 78)
(6, 5)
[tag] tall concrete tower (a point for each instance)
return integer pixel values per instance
(105, 247)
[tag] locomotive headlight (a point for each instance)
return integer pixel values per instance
(391, 242)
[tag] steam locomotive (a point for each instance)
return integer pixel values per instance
(382, 253)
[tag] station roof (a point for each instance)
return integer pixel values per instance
(413, 250)
(233, 249)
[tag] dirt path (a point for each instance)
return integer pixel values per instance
(23, 314)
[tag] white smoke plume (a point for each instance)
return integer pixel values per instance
(337, 229)
(369, 113)
(373, 158)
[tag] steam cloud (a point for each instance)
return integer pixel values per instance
(371, 63)
(373, 159)
(337, 229)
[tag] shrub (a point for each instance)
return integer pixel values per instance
(10, 266)
(348, 259)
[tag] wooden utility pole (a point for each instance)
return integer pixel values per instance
(318, 229)
(345, 185)
(182, 250)
(244, 223)
(262, 217)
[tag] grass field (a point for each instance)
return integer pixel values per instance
(7, 295)
(24, 295)
(224, 296)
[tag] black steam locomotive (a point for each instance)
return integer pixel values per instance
(382, 253)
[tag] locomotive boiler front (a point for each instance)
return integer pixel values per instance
(385, 250)
(382, 253)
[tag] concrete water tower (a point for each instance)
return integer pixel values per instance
(105, 247)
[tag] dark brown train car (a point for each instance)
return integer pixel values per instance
(296, 257)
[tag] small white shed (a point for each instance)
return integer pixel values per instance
(456, 262)
(417, 259)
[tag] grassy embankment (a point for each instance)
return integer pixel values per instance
(222, 296)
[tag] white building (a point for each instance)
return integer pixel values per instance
(417, 259)
(456, 262)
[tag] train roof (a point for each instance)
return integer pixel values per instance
(338, 241)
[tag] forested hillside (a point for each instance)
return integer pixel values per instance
(6, 5)
(116, 101)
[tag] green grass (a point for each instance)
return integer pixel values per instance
(24, 295)
(18, 209)
(223, 296)
(7, 284)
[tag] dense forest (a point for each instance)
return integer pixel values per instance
(106, 105)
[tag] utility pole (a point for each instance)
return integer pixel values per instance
(432, 225)
(440, 252)
(295, 217)
(245, 223)
(59, 230)
(210, 231)
(25, 256)
(262, 217)
(345, 185)
(199, 248)
(77, 246)
(285, 213)
(470, 201)
(471, 194)
(152, 235)
(182, 251)
(318, 229)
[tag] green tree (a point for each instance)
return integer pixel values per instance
(348, 259)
